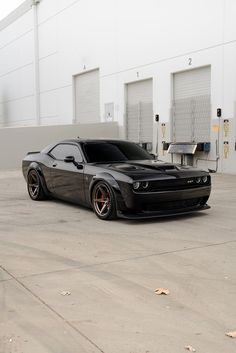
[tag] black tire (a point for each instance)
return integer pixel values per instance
(34, 186)
(103, 201)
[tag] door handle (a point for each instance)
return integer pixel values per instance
(54, 165)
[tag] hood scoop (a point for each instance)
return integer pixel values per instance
(163, 167)
(166, 167)
(140, 166)
(128, 167)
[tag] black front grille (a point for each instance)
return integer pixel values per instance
(175, 184)
(173, 205)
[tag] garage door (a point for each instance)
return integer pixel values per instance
(191, 106)
(87, 99)
(139, 111)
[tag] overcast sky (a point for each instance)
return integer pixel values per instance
(6, 6)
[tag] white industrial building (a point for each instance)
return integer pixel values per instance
(130, 61)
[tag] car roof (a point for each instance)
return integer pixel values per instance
(84, 140)
(78, 141)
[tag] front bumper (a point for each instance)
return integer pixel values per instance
(163, 203)
(161, 214)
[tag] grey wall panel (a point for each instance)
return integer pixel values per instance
(139, 111)
(87, 97)
(139, 91)
(18, 141)
(191, 106)
(191, 83)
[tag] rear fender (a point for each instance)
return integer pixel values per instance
(38, 168)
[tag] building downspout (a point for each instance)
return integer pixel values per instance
(36, 62)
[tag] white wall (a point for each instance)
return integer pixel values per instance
(128, 40)
(16, 73)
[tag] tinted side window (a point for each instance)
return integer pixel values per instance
(62, 151)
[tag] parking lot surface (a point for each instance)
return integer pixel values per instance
(70, 282)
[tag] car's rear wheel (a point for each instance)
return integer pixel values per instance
(34, 186)
(103, 201)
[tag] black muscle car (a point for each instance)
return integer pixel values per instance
(115, 178)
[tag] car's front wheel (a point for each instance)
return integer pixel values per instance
(103, 201)
(34, 186)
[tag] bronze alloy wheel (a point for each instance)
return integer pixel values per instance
(103, 201)
(35, 189)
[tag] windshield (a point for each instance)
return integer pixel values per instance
(115, 151)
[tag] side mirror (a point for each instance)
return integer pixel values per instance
(69, 159)
(153, 155)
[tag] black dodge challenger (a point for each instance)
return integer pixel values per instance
(115, 178)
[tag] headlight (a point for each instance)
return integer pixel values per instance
(140, 185)
(205, 179)
(136, 185)
(198, 180)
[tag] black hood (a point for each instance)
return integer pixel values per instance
(152, 169)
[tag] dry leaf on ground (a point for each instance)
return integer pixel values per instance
(64, 292)
(231, 334)
(190, 348)
(160, 291)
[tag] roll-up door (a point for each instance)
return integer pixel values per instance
(87, 98)
(191, 106)
(139, 111)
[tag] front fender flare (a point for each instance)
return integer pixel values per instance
(103, 177)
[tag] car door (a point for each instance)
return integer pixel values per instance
(67, 178)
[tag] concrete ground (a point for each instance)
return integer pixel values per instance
(111, 270)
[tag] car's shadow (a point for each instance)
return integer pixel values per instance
(160, 219)
(164, 219)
